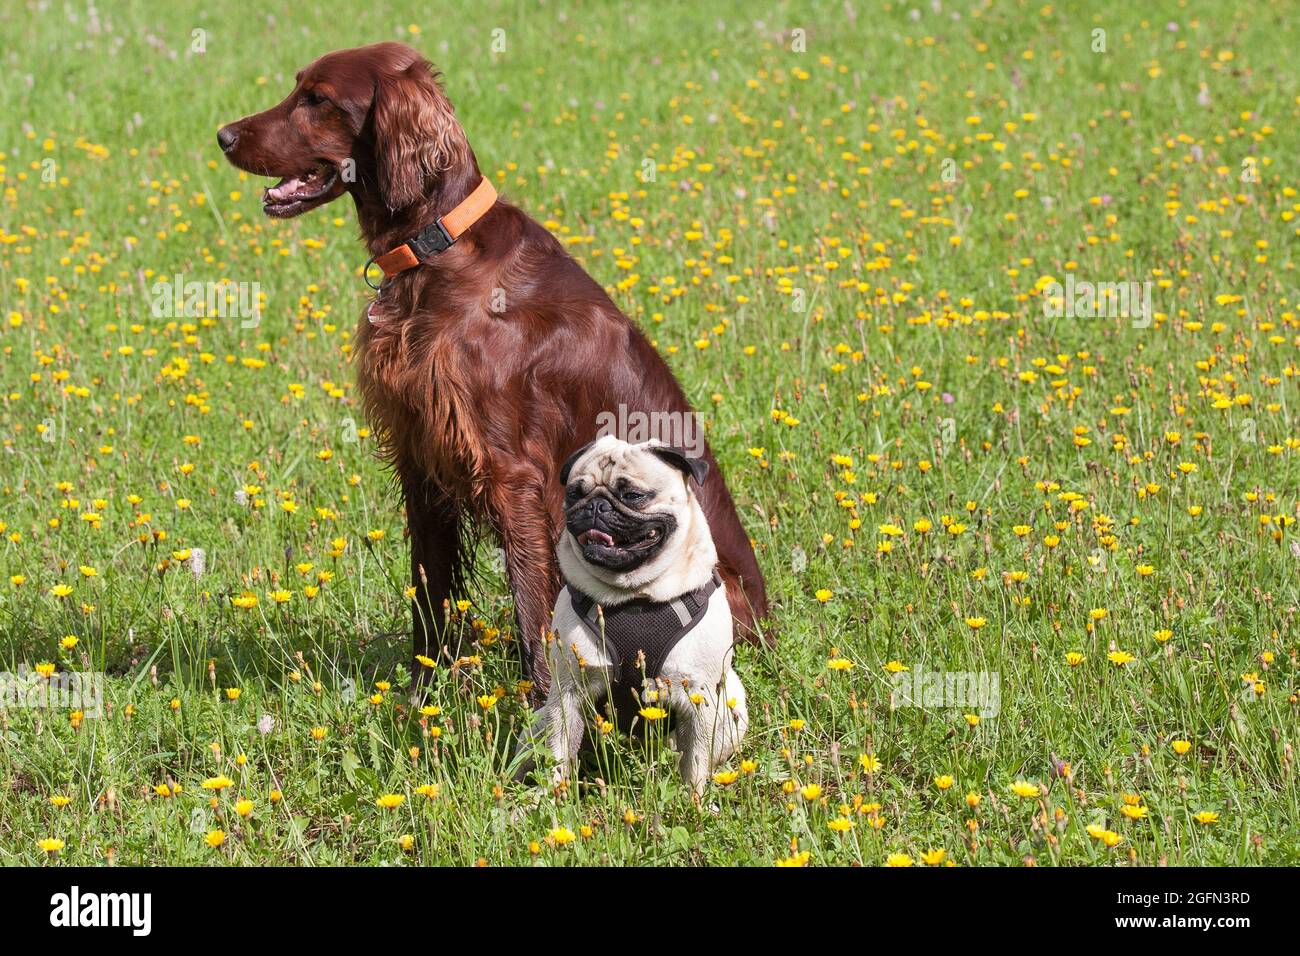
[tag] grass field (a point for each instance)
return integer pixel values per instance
(844, 243)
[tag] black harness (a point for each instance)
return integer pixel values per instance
(643, 627)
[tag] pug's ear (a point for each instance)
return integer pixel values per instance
(696, 468)
(571, 460)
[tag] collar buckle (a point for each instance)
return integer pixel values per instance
(434, 238)
(431, 240)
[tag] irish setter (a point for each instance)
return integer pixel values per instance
(484, 367)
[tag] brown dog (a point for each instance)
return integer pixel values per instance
(483, 365)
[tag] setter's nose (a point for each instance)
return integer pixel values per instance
(227, 137)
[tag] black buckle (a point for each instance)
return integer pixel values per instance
(431, 240)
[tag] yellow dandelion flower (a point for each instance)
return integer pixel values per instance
(561, 836)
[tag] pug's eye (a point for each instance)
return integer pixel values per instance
(573, 492)
(633, 497)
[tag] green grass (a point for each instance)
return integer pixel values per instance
(796, 260)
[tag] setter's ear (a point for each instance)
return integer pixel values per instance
(416, 134)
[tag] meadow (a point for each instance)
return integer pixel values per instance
(851, 229)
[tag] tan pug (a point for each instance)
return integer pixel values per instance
(643, 606)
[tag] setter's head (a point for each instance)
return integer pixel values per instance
(372, 121)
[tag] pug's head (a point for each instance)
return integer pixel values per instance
(630, 514)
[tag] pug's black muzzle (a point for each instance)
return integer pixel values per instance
(613, 536)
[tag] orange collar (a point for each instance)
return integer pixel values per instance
(435, 238)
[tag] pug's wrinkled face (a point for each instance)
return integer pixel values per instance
(623, 504)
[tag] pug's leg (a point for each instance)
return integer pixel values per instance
(694, 713)
(709, 726)
(689, 724)
(559, 722)
(733, 719)
(552, 727)
(580, 679)
(563, 729)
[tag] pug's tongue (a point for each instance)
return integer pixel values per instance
(286, 189)
(598, 536)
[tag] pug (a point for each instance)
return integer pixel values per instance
(643, 610)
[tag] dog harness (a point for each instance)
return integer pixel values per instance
(434, 238)
(652, 628)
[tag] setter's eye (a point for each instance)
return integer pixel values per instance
(314, 98)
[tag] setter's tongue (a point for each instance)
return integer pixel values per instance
(285, 189)
(296, 187)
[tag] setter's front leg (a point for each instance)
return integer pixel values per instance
(437, 571)
(526, 525)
